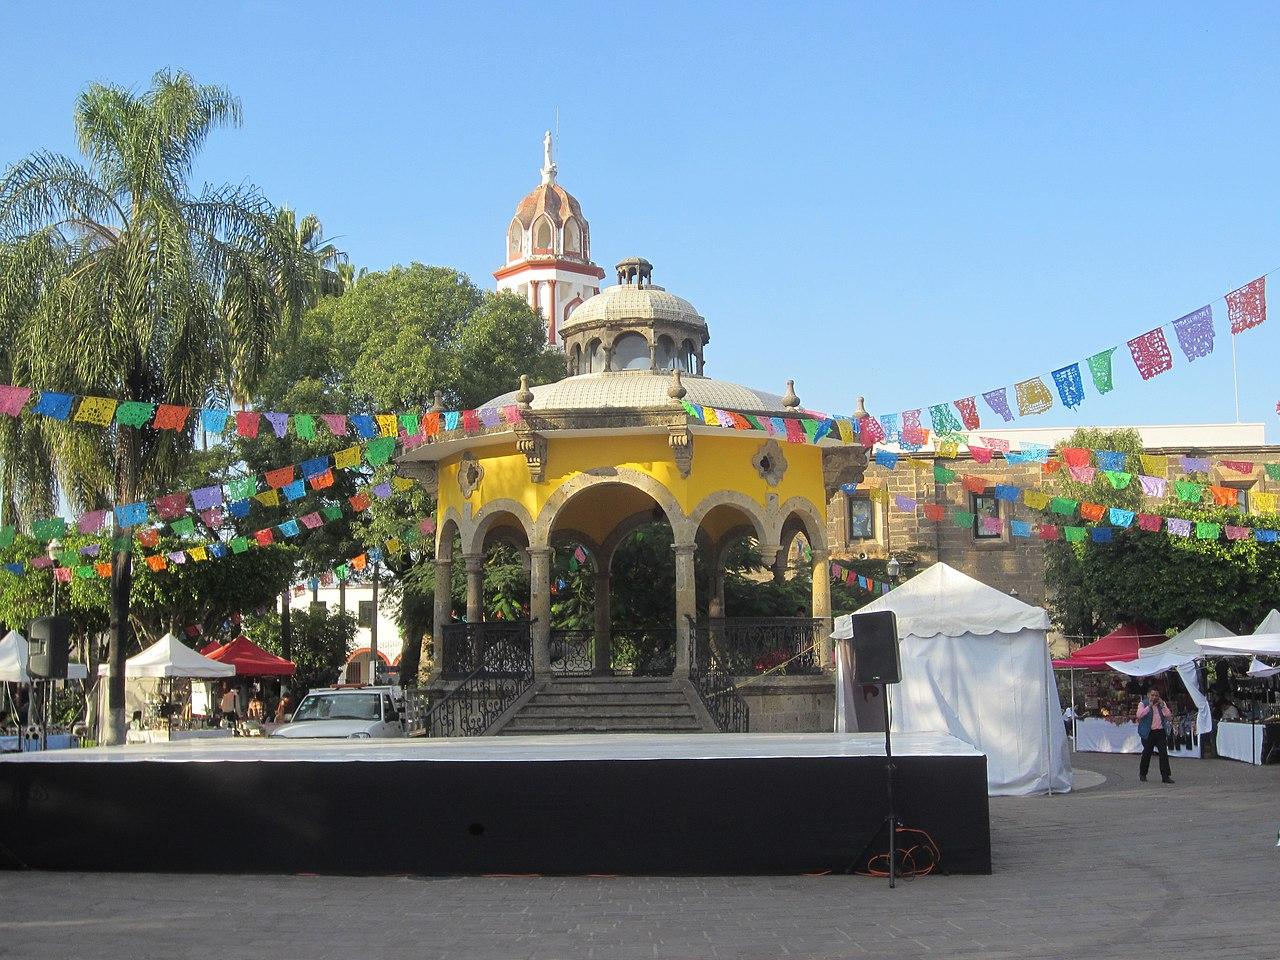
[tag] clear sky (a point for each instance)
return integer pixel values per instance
(915, 202)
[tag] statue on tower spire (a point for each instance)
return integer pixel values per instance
(548, 165)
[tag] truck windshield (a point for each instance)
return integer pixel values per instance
(339, 706)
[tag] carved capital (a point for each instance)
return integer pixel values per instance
(681, 442)
(533, 446)
(841, 465)
(426, 472)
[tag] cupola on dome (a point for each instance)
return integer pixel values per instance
(635, 325)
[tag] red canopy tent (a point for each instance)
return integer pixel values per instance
(1122, 643)
(249, 659)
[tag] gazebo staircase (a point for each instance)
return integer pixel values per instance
(607, 705)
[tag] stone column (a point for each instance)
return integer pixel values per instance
(540, 608)
(443, 612)
(475, 586)
(686, 604)
(604, 652)
(822, 602)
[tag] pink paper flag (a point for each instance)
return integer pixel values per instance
(1149, 522)
(1082, 474)
(311, 520)
(212, 518)
(91, 522)
(1247, 307)
(996, 444)
(968, 408)
(1238, 533)
(980, 454)
(336, 423)
(1151, 353)
(13, 399)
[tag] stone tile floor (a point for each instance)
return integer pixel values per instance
(1125, 869)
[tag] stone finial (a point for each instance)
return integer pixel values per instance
(438, 406)
(861, 409)
(525, 397)
(676, 390)
(789, 399)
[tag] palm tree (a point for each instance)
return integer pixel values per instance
(118, 280)
(321, 262)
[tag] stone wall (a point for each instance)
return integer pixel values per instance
(791, 704)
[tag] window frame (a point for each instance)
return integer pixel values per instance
(850, 536)
(978, 535)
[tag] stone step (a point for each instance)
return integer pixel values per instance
(625, 687)
(621, 710)
(610, 699)
(523, 724)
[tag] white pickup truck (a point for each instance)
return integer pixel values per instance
(357, 712)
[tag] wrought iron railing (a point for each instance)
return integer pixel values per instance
(643, 651)
(715, 683)
(466, 646)
(751, 645)
(502, 658)
(573, 653)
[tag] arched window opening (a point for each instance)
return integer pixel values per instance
(542, 236)
(575, 359)
(595, 357)
(572, 237)
(515, 237)
(686, 360)
(631, 352)
(666, 353)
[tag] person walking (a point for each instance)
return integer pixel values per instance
(1154, 718)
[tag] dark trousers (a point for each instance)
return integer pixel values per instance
(1155, 741)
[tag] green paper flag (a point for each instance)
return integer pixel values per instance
(1273, 470)
(379, 451)
(342, 571)
(331, 513)
(46, 530)
(944, 421)
(239, 544)
(1187, 491)
(943, 475)
(242, 489)
(1074, 534)
(304, 425)
(1063, 506)
(1100, 370)
(1207, 531)
(755, 424)
(690, 409)
(962, 519)
(135, 413)
(184, 526)
(409, 422)
(68, 558)
(7, 534)
(810, 429)
(1118, 478)
(86, 572)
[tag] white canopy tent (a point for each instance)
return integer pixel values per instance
(1180, 652)
(170, 657)
(15, 655)
(1270, 623)
(1254, 645)
(975, 664)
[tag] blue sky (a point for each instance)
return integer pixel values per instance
(915, 202)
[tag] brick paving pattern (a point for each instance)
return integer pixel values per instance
(1122, 870)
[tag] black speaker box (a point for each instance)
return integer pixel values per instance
(875, 648)
(49, 640)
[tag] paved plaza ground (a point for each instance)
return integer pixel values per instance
(1124, 869)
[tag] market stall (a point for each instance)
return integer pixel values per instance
(157, 690)
(975, 665)
(1255, 736)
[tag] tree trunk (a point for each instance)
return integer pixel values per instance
(118, 644)
(286, 629)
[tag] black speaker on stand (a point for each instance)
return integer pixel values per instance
(876, 661)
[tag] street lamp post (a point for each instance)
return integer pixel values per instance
(893, 568)
(51, 551)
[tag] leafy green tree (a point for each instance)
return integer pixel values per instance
(1164, 581)
(118, 279)
(320, 640)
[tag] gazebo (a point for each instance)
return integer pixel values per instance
(585, 462)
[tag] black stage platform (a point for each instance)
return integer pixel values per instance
(694, 804)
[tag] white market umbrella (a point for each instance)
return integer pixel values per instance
(170, 657)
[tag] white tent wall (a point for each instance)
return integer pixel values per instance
(993, 688)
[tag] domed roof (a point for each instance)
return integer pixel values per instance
(642, 389)
(629, 302)
(553, 200)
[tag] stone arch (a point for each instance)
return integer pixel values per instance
(565, 535)
(487, 516)
(755, 513)
(543, 235)
(515, 240)
(599, 476)
(450, 527)
(572, 237)
(799, 513)
(637, 351)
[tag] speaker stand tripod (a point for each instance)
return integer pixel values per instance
(891, 820)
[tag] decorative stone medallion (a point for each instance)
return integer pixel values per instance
(470, 474)
(770, 462)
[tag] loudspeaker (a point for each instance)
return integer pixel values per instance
(875, 648)
(49, 640)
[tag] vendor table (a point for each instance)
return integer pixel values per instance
(165, 736)
(1240, 741)
(1096, 735)
(57, 741)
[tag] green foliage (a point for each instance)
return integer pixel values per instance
(320, 641)
(1164, 581)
